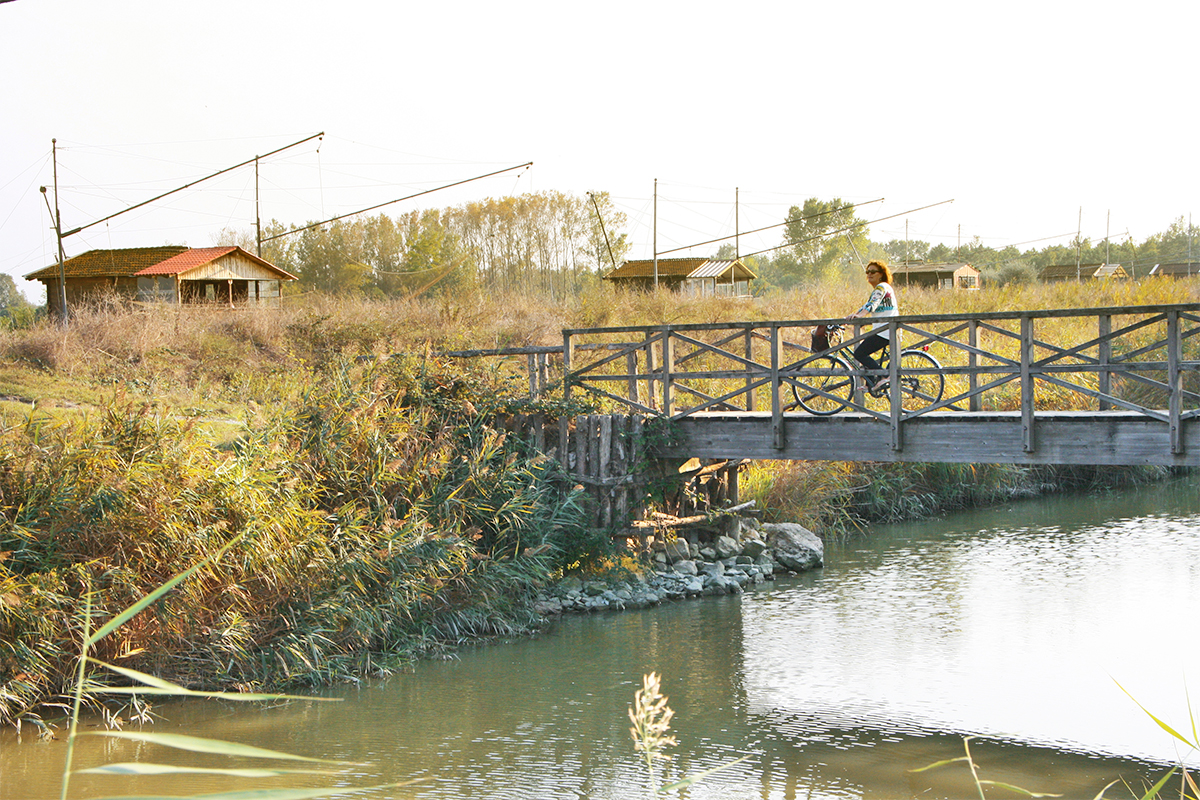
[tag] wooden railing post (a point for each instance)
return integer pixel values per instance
(777, 437)
(668, 366)
(751, 405)
(1174, 381)
(631, 368)
(1104, 356)
(651, 366)
(568, 358)
(897, 410)
(858, 384)
(975, 403)
(564, 422)
(1027, 390)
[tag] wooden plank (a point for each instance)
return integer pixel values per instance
(636, 508)
(1089, 437)
(911, 319)
(603, 468)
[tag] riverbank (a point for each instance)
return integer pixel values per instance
(748, 553)
(376, 520)
(350, 515)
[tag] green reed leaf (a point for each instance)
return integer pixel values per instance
(688, 781)
(138, 768)
(158, 686)
(1017, 789)
(267, 794)
(1160, 723)
(1156, 788)
(196, 744)
(937, 764)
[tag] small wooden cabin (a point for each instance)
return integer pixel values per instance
(1084, 272)
(697, 277)
(170, 274)
(1182, 269)
(937, 276)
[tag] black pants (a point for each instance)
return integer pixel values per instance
(867, 348)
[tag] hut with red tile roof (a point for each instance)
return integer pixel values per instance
(173, 274)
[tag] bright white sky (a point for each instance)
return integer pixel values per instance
(1023, 113)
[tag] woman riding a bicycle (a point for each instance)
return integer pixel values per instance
(881, 303)
(824, 382)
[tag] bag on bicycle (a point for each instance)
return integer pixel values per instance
(823, 337)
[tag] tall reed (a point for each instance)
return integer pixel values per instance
(377, 519)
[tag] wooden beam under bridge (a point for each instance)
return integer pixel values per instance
(1063, 437)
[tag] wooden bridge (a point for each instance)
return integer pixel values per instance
(1072, 386)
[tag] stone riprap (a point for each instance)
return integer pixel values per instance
(748, 553)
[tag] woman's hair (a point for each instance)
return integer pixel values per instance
(884, 268)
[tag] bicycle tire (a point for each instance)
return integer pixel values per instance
(837, 386)
(920, 391)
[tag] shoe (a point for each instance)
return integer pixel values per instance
(879, 389)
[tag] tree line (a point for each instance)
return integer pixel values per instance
(553, 244)
(825, 239)
(548, 243)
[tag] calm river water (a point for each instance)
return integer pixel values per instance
(1013, 626)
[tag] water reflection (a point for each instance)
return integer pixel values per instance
(1008, 625)
(1009, 632)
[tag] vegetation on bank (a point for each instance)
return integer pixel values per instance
(380, 516)
(377, 519)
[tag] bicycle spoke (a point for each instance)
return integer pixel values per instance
(827, 393)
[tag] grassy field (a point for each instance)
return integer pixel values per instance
(377, 516)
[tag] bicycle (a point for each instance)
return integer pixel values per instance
(922, 381)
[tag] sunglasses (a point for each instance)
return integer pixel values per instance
(874, 272)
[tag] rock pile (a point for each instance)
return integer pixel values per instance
(748, 553)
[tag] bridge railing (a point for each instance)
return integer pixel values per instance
(1142, 359)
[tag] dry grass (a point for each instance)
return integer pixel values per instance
(222, 363)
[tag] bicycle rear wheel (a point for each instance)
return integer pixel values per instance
(827, 393)
(923, 390)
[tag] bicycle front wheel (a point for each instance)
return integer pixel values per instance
(918, 391)
(827, 393)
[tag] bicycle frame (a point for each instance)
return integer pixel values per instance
(835, 383)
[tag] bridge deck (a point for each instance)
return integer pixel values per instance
(1113, 386)
(1058, 437)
